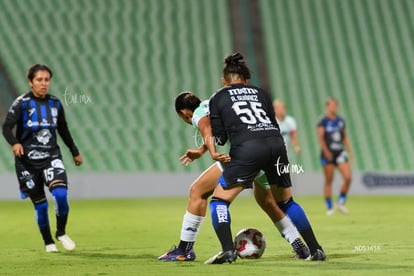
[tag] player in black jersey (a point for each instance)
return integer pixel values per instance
(244, 115)
(333, 139)
(37, 116)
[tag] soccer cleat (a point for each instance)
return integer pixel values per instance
(177, 254)
(67, 242)
(330, 212)
(341, 208)
(222, 257)
(51, 248)
(301, 250)
(318, 256)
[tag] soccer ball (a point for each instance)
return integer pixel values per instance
(249, 243)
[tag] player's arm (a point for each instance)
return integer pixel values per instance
(347, 145)
(12, 118)
(67, 137)
(218, 130)
(322, 143)
(204, 127)
(295, 141)
(192, 154)
(294, 138)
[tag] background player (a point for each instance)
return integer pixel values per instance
(37, 116)
(332, 138)
(287, 125)
(245, 115)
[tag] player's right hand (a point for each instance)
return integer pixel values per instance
(18, 150)
(328, 155)
(190, 155)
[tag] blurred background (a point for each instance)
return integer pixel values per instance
(118, 66)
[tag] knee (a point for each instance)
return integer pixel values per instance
(197, 193)
(347, 178)
(41, 207)
(61, 206)
(60, 194)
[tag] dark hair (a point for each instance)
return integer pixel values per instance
(235, 65)
(37, 67)
(187, 100)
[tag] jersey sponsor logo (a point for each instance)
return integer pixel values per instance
(37, 155)
(44, 122)
(243, 91)
(43, 136)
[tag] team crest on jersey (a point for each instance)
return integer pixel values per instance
(54, 111)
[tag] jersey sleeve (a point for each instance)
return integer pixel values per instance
(321, 122)
(292, 125)
(217, 126)
(12, 118)
(64, 131)
(202, 111)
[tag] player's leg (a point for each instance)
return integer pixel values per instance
(345, 170)
(328, 171)
(280, 218)
(31, 185)
(56, 180)
(298, 216)
(220, 216)
(195, 214)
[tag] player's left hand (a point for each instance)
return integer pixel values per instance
(78, 160)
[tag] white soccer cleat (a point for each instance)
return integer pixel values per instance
(51, 248)
(342, 209)
(67, 242)
(330, 212)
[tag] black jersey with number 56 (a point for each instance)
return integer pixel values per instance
(241, 113)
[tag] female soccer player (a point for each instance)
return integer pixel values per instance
(332, 138)
(38, 161)
(287, 125)
(194, 111)
(245, 115)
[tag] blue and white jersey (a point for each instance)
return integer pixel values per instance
(37, 121)
(334, 132)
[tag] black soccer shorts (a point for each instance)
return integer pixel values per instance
(33, 179)
(247, 159)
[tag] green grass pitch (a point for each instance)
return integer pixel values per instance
(125, 237)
